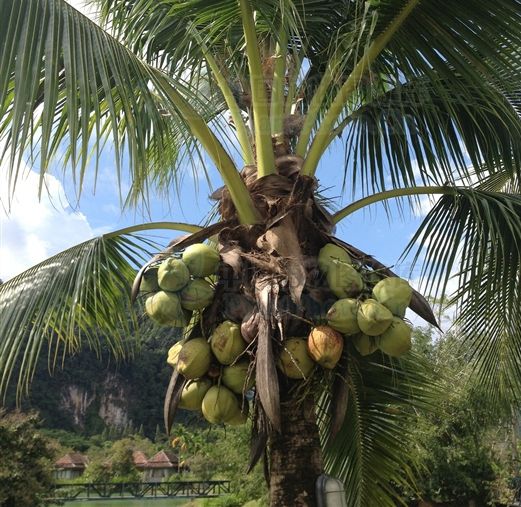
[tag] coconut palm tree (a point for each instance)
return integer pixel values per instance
(424, 94)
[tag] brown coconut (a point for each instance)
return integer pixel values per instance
(325, 346)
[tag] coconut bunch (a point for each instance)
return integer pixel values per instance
(176, 286)
(370, 310)
(215, 374)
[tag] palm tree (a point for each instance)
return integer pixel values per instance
(425, 96)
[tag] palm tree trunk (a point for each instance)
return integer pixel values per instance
(295, 457)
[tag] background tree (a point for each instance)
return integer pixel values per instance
(27, 461)
(416, 89)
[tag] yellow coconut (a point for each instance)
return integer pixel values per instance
(173, 354)
(193, 393)
(344, 280)
(373, 317)
(197, 294)
(201, 260)
(172, 274)
(241, 417)
(227, 343)
(394, 293)
(220, 405)
(165, 309)
(194, 358)
(342, 316)
(329, 254)
(396, 341)
(149, 281)
(238, 377)
(294, 360)
(325, 346)
(365, 345)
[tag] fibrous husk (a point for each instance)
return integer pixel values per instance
(394, 293)
(173, 354)
(250, 325)
(342, 316)
(165, 309)
(325, 346)
(149, 282)
(193, 393)
(344, 280)
(365, 345)
(373, 317)
(330, 254)
(241, 417)
(227, 343)
(238, 377)
(294, 360)
(172, 274)
(396, 341)
(197, 294)
(201, 260)
(194, 358)
(220, 405)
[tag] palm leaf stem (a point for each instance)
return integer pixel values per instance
(263, 143)
(238, 192)
(388, 194)
(177, 226)
(293, 74)
(322, 137)
(278, 83)
(235, 112)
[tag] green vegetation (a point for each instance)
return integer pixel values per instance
(25, 461)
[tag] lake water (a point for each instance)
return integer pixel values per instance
(128, 502)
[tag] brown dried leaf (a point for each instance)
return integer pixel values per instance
(172, 398)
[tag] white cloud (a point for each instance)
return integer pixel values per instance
(32, 230)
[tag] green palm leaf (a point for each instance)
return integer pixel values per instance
(370, 451)
(73, 299)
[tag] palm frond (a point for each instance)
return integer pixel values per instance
(65, 80)
(73, 299)
(370, 451)
(475, 236)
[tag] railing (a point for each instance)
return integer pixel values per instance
(175, 489)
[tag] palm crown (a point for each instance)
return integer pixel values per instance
(425, 95)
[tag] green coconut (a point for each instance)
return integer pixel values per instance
(394, 293)
(373, 318)
(342, 316)
(194, 358)
(227, 343)
(173, 354)
(165, 309)
(294, 360)
(325, 346)
(149, 281)
(344, 280)
(238, 378)
(172, 274)
(197, 294)
(365, 345)
(201, 259)
(241, 417)
(396, 341)
(329, 254)
(193, 393)
(220, 405)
